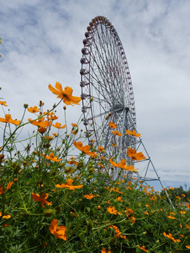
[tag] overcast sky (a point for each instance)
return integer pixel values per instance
(42, 42)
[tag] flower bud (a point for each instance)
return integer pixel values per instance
(49, 212)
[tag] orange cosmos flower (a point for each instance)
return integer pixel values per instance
(52, 157)
(1, 190)
(129, 211)
(104, 251)
(58, 125)
(48, 138)
(50, 115)
(65, 95)
(134, 155)
(116, 132)
(89, 196)
(142, 247)
(73, 162)
(9, 185)
(58, 231)
(112, 125)
(33, 109)
(132, 219)
(117, 231)
(101, 149)
(8, 119)
(5, 216)
(74, 125)
(133, 133)
(153, 198)
(74, 132)
(42, 199)
(114, 144)
(69, 185)
(122, 164)
(85, 149)
(187, 246)
(3, 103)
(40, 122)
(111, 209)
(170, 236)
(119, 199)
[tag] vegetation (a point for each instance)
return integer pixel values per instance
(51, 201)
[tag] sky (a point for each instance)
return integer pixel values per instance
(42, 42)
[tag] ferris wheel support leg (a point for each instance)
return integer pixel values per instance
(150, 162)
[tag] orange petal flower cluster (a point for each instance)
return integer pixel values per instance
(42, 199)
(69, 185)
(74, 125)
(65, 95)
(122, 165)
(133, 133)
(112, 125)
(101, 149)
(33, 109)
(50, 115)
(85, 149)
(171, 217)
(142, 247)
(119, 199)
(8, 119)
(5, 216)
(58, 125)
(8, 187)
(112, 210)
(134, 155)
(89, 196)
(104, 251)
(58, 231)
(118, 232)
(73, 162)
(52, 157)
(40, 123)
(170, 236)
(3, 103)
(116, 132)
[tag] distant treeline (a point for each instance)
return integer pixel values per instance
(178, 192)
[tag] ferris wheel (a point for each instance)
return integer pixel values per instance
(107, 95)
(106, 89)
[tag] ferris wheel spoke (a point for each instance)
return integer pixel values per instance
(102, 66)
(100, 86)
(102, 82)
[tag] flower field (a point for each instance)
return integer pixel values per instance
(51, 201)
